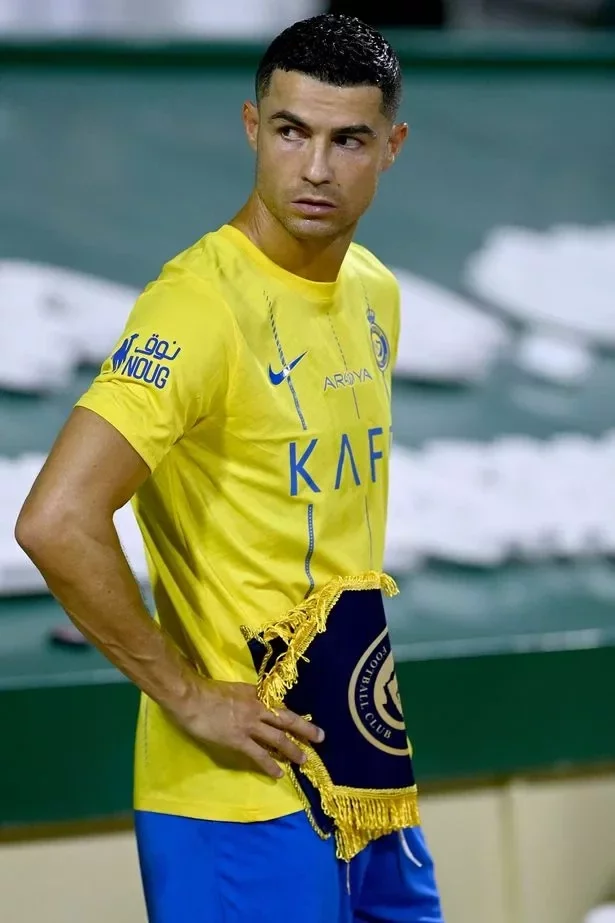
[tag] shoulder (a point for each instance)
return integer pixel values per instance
(186, 294)
(372, 271)
(380, 287)
(201, 261)
(381, 290)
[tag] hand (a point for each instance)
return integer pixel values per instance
(230, 715)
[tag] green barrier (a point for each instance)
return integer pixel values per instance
(471, 719)
(418, 49)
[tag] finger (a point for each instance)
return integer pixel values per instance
(262, 759)
(296, 725)
(278, 740)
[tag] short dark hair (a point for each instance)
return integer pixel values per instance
(336, 49)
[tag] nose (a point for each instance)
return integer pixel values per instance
(317, 167)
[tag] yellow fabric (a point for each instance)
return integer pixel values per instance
(264, 485)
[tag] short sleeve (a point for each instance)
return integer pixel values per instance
(171, 367)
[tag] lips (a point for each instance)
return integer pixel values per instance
(309, 201)
(314, 206)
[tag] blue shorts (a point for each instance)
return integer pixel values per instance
(199, 871)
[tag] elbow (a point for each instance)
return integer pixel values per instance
(39, 530)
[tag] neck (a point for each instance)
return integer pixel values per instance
(318, 260)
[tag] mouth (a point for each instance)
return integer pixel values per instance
(312, 206)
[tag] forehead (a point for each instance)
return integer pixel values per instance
(321, 104)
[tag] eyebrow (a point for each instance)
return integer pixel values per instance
(286, 116)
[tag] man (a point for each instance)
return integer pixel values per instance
(246, 410)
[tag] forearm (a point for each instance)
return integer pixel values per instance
(87, 572)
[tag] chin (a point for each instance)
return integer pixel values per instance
(312, 228)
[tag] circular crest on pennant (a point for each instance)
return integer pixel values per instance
(374, 701)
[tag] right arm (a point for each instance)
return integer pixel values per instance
(66, 527)
(108, 447)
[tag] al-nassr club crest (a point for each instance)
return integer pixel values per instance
(380, 343)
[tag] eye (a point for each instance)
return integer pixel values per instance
(291, 132)
(350, 142)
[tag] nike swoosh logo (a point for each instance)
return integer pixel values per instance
(276, 378)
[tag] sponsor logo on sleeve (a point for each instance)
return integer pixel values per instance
(150, 362)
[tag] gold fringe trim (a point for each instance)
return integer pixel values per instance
(307, 807)
(359, 815)
(299, 627)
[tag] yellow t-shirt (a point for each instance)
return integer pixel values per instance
(261, 403)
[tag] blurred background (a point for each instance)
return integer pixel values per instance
(121, 144)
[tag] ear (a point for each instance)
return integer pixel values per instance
(249, 116)
(395, 142)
